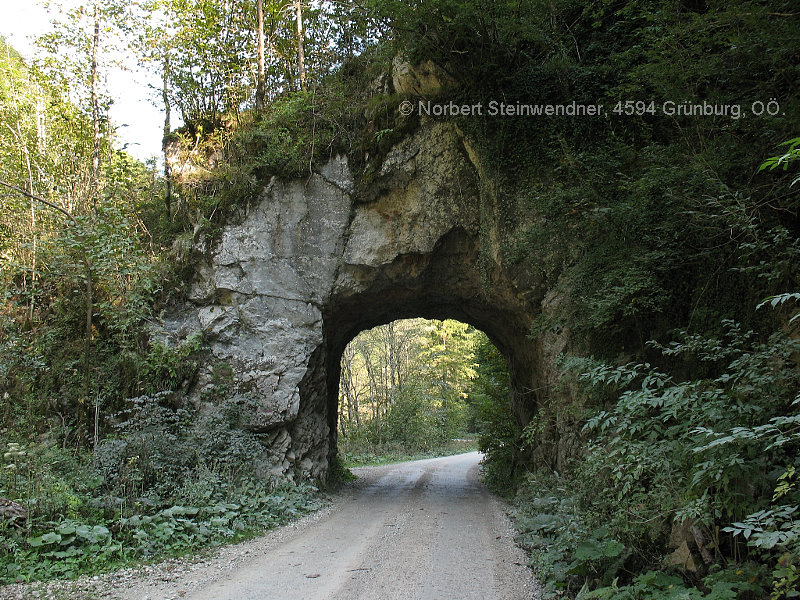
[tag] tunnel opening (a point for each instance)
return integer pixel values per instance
(415, 387)
(443, 283)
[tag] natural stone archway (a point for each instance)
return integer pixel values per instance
(442, 284)
(312, 263)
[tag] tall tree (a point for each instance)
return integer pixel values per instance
(165, 97)
(95, 101)
(261, 85)
(83, 44)
(153, 44)
(301, 52)
(350, 392)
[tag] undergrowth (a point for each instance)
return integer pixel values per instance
(685, 488)
(68, 547)
(162, 485)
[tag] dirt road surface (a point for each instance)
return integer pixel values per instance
(423, 530)
(418, 530)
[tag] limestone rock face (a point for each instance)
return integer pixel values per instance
(424, 79)
(312, 263)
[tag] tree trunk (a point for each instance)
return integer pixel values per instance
(345, 418)
(352, 385)
(301, 53)
(167, 131)
(41, 125)
(34, 238)
(95, 110)
(374, 391)
(392, 359)
(261, 86)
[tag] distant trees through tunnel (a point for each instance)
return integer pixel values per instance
(418, 386)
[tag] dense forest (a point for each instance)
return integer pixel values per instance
(664, 463)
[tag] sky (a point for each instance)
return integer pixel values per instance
(139, 123)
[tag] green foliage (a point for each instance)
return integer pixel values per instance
(168, 481)
(47, 315)
(769, 528)
(499, 432)
(546, 517)
(592, 553)
(781, 299)
(285, 138)
(574, 560)
(160, 448)
(776, 530)
(206, 51)
(168, 368)
(665, 448)
(481, 44)
(792, 154)
(69, 547)
(729, 584)
(748, 399)
(338, 473)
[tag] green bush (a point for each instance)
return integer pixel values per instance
(719, 453)
(166, 482)
(499, 434)
(69, 547)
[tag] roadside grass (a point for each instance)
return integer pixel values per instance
(370, 455)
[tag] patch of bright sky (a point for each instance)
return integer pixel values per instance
(139, 123)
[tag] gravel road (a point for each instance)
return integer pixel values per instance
(417, 530)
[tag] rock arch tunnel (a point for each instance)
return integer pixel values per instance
(300, 272)
(444, 284)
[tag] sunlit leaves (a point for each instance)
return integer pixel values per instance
(407, 383)
(782, 161)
